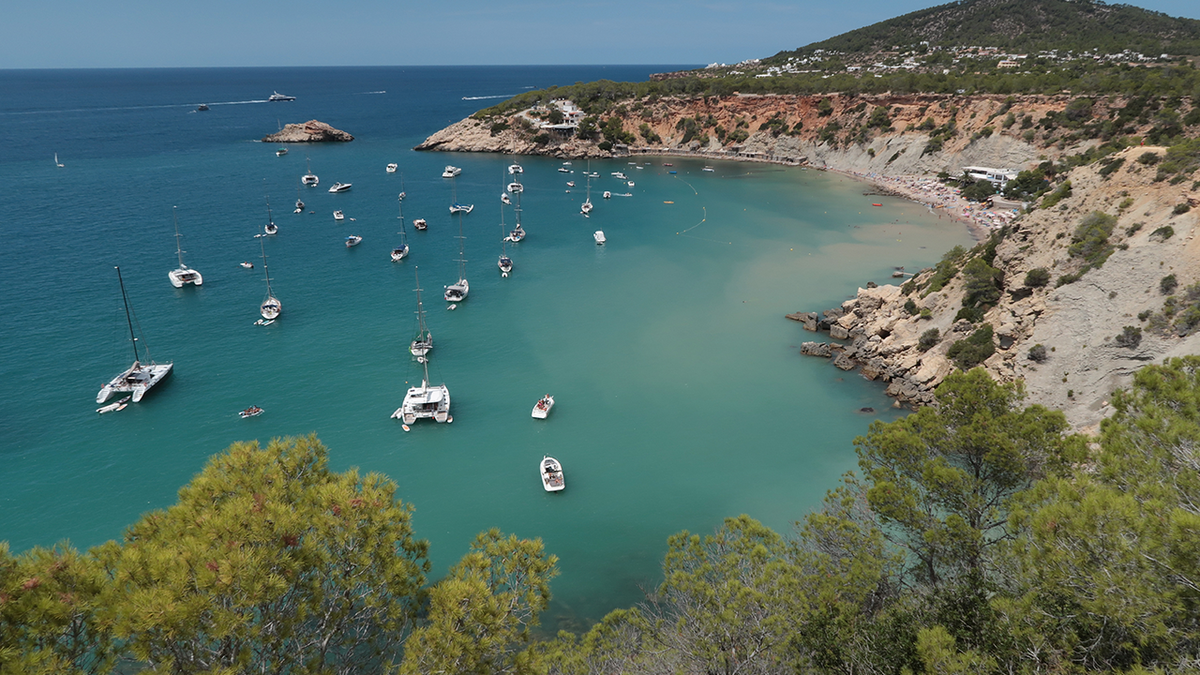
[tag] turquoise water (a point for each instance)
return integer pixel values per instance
(681, 396)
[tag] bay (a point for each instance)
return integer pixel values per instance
(681, 396)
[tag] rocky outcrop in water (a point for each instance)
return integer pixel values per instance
(311, 131)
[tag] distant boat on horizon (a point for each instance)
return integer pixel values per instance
(276, 96)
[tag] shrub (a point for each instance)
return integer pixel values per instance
(1130, 337)
(1133, 229)
(982, 283)
(1168, 284)
(972, 314)
(1163, 233)
(974, 350)
(542, 138)
(1148, 158)
(1144, 314)
(1181, 208)
(979, 191)
(926, 313)
(1037, 277)
(946, 269)
(824, 108)
(911, 307)
(1037, 353)
(1060, 193)
(1109, 168)
(929, 339)
(1090, 241)
(498, 127)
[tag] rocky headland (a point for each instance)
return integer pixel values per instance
(311, 131)
(1076, 316)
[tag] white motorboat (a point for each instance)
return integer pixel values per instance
(457, 292)
(140, 377)
(451, 171)
(461, 208)
(563, 169)
(400, 251)
(570, 183)
(630, 183)
(422, 342)
(252, 411)
(270, 307)
(504, 198)
(586, 207)
(619, 175)
(270, 227)
(247, 264)
(391, 168)
(708, 169)
(281, 152)
(340, 187)
(552, 474)
(353, 240)
(542, 408)
(598, 235)
(420, 224)
(276, 96)
(183, 275)
(607, 194)
(338, 215)
(310, 179)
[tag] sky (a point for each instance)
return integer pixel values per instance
(218, 33)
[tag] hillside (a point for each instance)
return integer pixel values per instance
(1023, 26)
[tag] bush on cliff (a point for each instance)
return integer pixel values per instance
(1062, 192)
(1037, 277)
(1090, 241)
(973, 350)
(929, 339)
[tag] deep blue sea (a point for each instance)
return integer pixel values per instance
(681, 395)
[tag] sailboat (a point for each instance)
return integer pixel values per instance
(457, 292)
(505, 263)
(270, 227)
(400, 251)
(58, 163)
(310, 179)
(182, 275)
(586, 207)
(140, 377)
(299, 202)
(422, 342)
(517, 234)
(270, 307)
(424, 401)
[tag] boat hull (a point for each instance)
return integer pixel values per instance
(542, 408)
(425, 402)
(551, 473)
(457, 292)
(184, 276)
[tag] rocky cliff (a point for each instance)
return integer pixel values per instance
(311, 131)
(1080, 325)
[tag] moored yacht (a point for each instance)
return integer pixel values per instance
(353, 240)
(461, 208)
(340, 187)
(270, 307)
(542, 408)
(310, 179)
(183, 275)
(276, 96)
(391, 168)
(400, 251)
(420, 224)
(270, 227)
(422, 342)
(451, 171)
(140, 377)
(598, 235)
(426, 401)
(457, 292)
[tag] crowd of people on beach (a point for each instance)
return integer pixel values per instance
(942, 199)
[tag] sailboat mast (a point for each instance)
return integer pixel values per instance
(178, 245)
(266, 272)
(270, 221)
(128, 318)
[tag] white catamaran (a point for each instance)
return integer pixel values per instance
(183, 275)
(140, 377)
(426, 401)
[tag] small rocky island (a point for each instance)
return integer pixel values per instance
(311, 131)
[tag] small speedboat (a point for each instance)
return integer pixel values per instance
(563, 169)
(504, 198)
(391, 168)
(252, 411)
(461, 208)
(607, 194)
(542, 408)
(340, 187)
(619, 175)
(400, 197)
(420, 224)
(353, 240)
(598, 235)
(451, 171)
(552, 474)
(668, 164)
(570, 183)
(202, 107)
(281, 152)
(708, 169)
(248, 265)
(630, 183)
(338, 215)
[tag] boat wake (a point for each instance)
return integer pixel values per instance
(192, 106)
(366, 93)
(480, 98)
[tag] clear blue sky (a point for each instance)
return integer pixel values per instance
(165, 33)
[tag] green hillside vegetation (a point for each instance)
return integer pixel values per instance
(1024, 26)
(978, 536)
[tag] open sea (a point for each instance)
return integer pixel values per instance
(681, 395)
